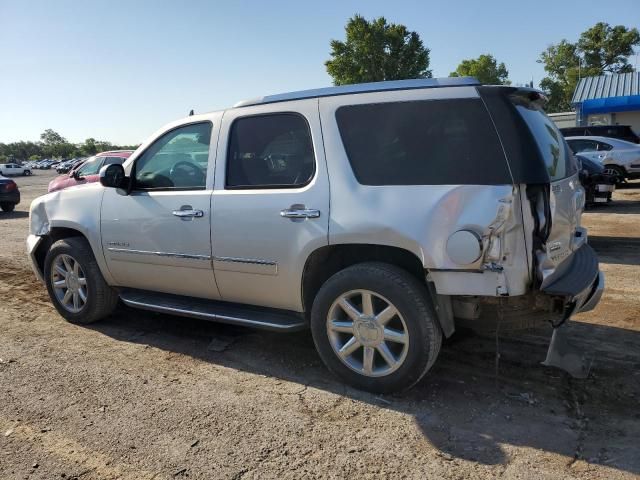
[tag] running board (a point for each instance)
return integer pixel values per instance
(213, 310)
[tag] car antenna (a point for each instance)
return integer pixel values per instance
(191, 112)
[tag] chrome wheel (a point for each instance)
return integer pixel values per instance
(367, 333)
(69, 283)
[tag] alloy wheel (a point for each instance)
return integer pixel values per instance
(367, 333)
(69, 283)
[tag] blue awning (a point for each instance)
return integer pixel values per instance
(611, 104)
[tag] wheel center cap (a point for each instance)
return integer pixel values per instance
(368, 332)
(72, 282)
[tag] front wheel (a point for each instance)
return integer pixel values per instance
(7, 207)
(75, 284)
(374, 327)
(27, 173)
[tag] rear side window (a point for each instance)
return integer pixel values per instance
(552, 146)
(270, 151)
(432, 142)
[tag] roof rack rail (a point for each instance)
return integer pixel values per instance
(362, 88)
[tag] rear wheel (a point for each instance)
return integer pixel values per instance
(75, 283)
(374, 327)
(7, 207)
(616, 172)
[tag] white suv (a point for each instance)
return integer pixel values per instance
(13, 169)
(379, 215)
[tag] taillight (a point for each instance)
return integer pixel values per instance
(8, 187)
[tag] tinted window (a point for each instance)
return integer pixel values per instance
(551, 144)
(432, 142)
(603, 146)
(178, 159)
(110, 160)
(270, 151)
(578, 146)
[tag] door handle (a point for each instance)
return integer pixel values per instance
(300, 213)
(188, 213)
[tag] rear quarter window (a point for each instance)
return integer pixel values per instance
(430, 142)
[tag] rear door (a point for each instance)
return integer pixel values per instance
(270, 203)
(566, 200)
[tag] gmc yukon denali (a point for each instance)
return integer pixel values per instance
(381, 216)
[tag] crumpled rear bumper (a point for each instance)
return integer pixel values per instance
(582, 283)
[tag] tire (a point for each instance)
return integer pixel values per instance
(100, 298)
(27, 173)
(7, 206)
(618, 172)
(333, 329)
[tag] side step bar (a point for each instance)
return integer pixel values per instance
(216, 311)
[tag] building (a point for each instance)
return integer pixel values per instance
(608, 100)
(563, 119)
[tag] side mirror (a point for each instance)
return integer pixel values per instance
(113, 176)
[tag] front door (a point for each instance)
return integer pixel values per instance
(270, 202)
(158, 237)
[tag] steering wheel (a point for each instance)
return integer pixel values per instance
(197, 178)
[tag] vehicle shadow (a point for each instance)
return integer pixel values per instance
(12, 215)
(616, 250)
(616, 206)
(462, 407)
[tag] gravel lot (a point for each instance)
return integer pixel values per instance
(143, 396)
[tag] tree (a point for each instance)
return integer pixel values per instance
(485, 68)
(375, 51)
(601, 49)
(89, 147)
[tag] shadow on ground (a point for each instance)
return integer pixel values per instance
(462, 407)
(13, 215)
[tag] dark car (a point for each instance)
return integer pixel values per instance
(623, 132)
(9, 194)
(599, 186)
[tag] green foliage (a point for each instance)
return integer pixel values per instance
(601, 49)
(54, 145)
(485, 68)
(376, 51)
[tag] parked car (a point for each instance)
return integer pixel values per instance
(9, 194)
(619, 157)
(622, 132)
(87, 171)
(13, 169)
(598, 185)
(449, 201)
(65, 167)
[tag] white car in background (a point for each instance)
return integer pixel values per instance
(619, 157)
(13, 169)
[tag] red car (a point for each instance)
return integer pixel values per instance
(87, 172)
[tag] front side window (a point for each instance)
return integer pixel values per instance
(111, 160)
(603, 147)
(427, 142)
(177, 160)
(578, 146)
(90, 167)
(270, 151)
(551, 144)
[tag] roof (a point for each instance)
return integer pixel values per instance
(116, 153)
(606, 86)
(363, 88)
(616, 142)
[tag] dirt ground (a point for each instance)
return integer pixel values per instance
(143, 396)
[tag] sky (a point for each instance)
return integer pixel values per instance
(118, 70)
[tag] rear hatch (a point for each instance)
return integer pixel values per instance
(557, 207)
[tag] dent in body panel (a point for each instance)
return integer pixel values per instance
(61, 210)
